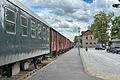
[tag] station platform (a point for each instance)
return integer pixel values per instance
(66, 67)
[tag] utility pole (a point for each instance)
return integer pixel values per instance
(79, 40)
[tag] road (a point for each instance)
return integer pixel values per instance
(66, 67)
(101, 64)
(107, 62)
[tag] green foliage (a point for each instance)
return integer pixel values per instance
(100, 26)
(115, 30)
(76, 39)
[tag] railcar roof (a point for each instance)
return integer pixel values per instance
(23, 7)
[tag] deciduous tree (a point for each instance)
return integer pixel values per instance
(100, 26)
(115, 30)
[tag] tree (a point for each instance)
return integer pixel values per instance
(75, 39)
(100, 26)
(115, 29)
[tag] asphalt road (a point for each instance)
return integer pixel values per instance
(104, 61)
(66, 67)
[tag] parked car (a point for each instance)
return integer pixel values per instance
(110, 49)
(116, 50)
(99, 48)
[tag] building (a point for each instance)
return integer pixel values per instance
(88, 39)
(114, 42)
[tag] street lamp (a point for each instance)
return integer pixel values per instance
(79, 40)
(79, 34)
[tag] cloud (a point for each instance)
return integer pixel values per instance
(67, 15)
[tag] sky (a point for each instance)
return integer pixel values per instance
(66, 16)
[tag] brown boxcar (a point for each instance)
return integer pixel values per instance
(58, 42)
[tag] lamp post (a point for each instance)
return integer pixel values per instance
(79, 40)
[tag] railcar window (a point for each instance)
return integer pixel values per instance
(33, 29)
(39, 30)
(47, 39)
(24, 26)
(44, 33)
(10, 21)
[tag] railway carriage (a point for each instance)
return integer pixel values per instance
(58, 43)
(25, 38)
(23, 34)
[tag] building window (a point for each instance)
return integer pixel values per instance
(91, 37)
(10, 21)
(86, 37)
(90, 42)
(86, 42)
(33, 29)
(94, 43)
(24, 26)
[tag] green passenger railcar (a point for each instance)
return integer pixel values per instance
(23, 34)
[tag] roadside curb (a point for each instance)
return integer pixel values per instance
(88, 67)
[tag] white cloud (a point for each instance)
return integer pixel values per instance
(67, 15)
